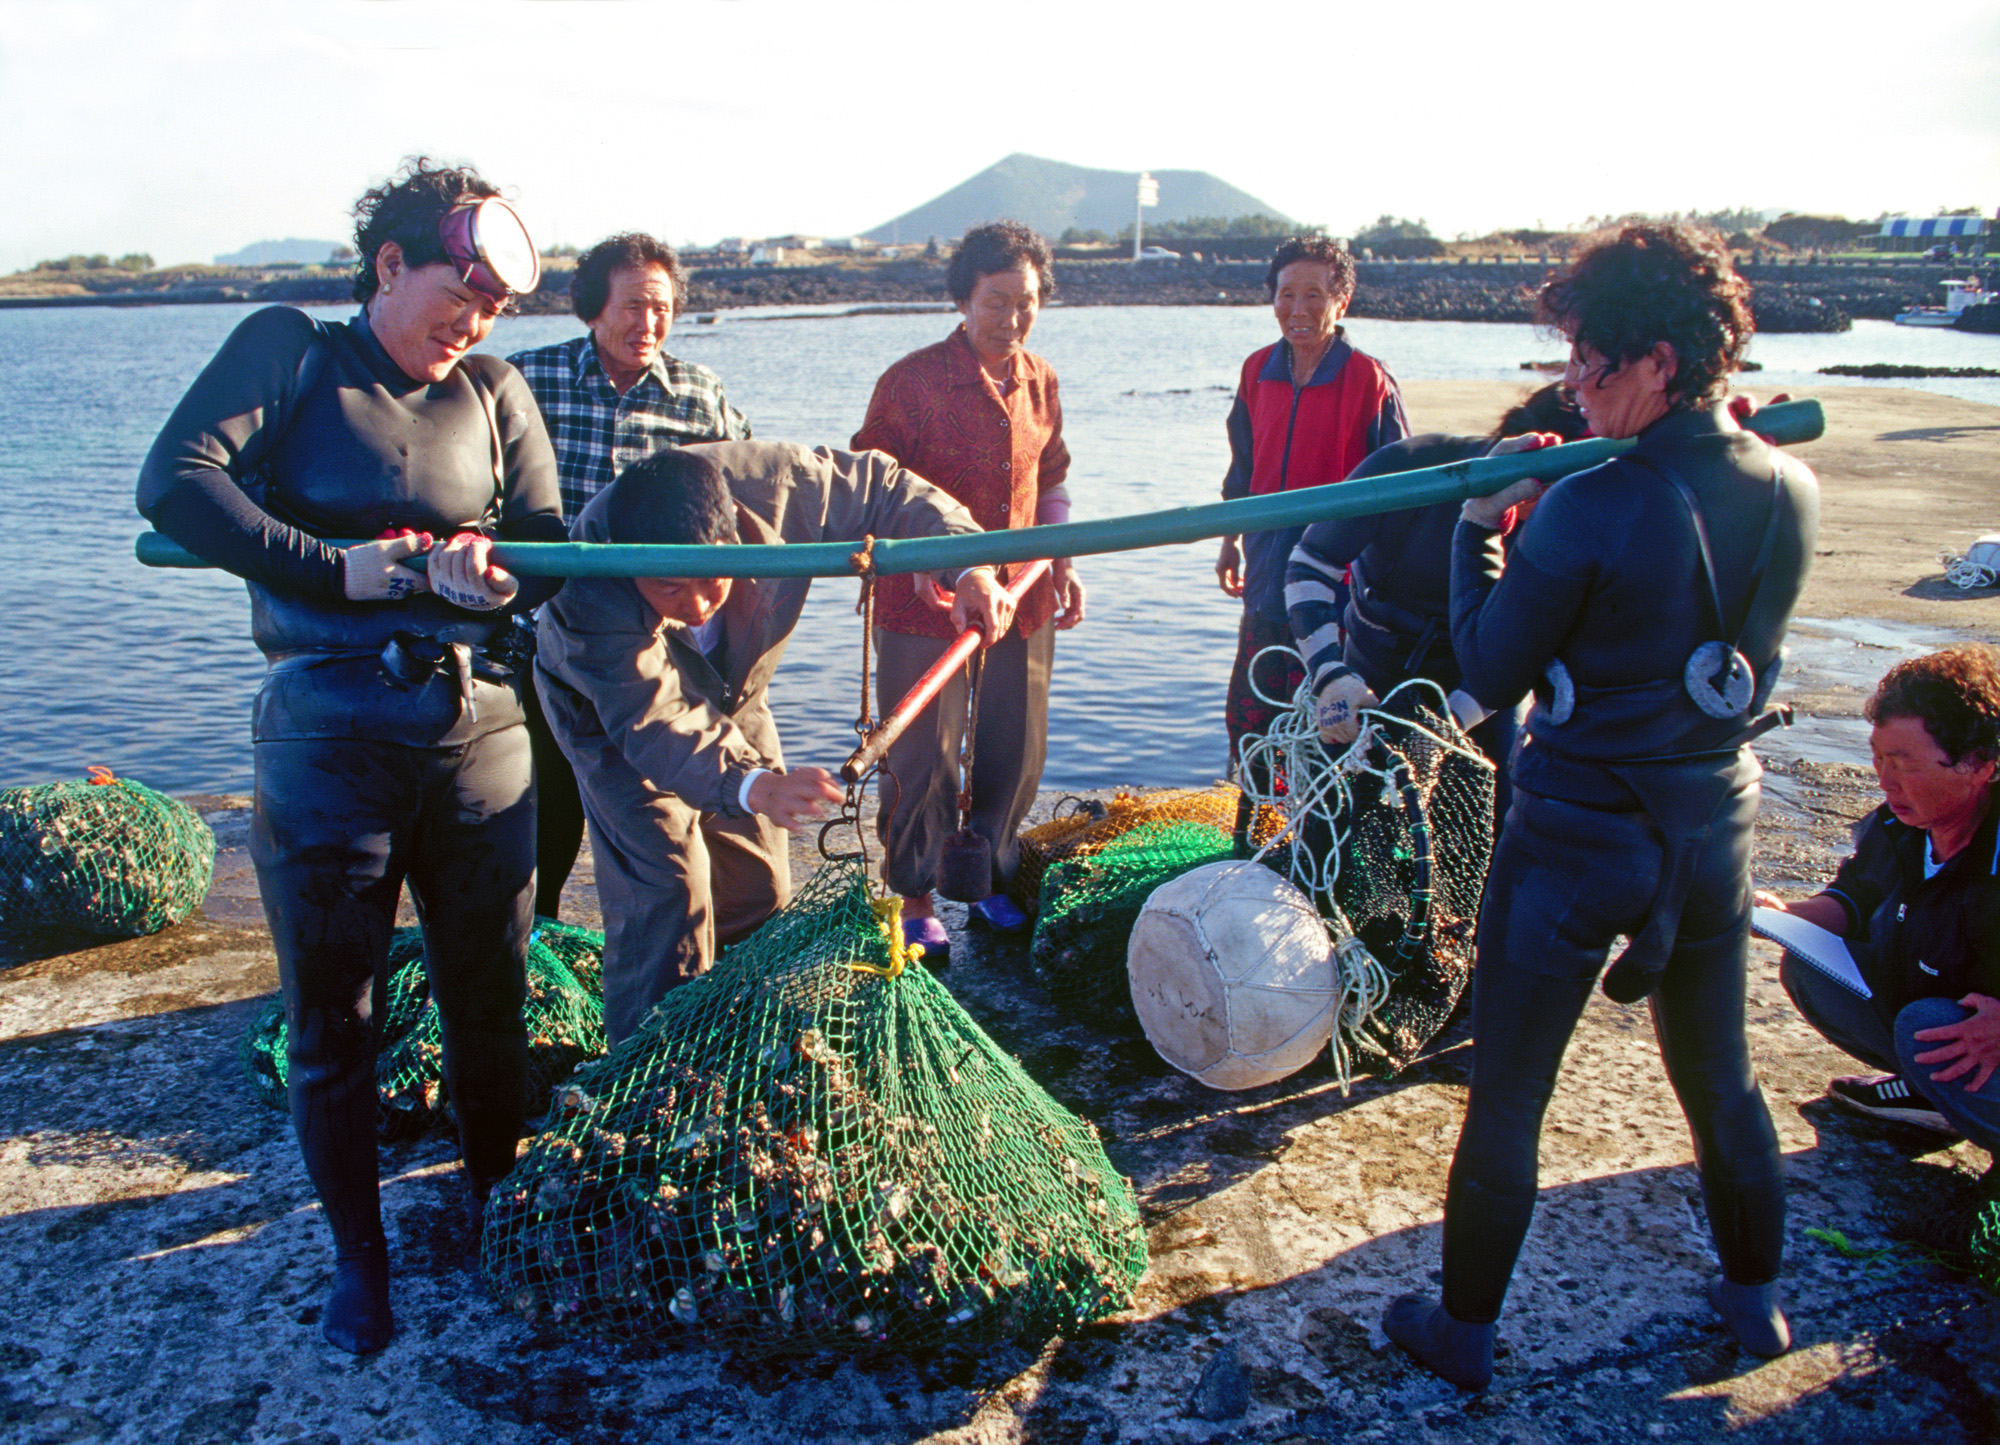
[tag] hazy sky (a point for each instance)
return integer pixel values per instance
(185, 128)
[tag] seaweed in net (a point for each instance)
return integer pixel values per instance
(107, 856)
(812, 1145)
(564, 1014)
(1984, 1245)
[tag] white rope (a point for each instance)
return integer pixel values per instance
(1317, 786)
(1966, 573)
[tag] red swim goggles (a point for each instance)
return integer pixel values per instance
(489, 246)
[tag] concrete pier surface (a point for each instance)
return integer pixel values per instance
(163, 1265)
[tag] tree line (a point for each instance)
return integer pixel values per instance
(133, 261)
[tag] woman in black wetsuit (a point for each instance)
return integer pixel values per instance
(388, 732)
(1645, 602)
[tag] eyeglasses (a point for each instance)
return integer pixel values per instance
(489, 245)
(1588, 373)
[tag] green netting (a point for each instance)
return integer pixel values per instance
(1413, 855)
(1090, 902)
(112, 857)
(1084, 825)
(797, 1150)
(1390, 836)
(564, 1013)
(1984, 1245)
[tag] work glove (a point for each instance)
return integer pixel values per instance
(1491, 512)
(374, 571)
(461, 574)
(1341, 697)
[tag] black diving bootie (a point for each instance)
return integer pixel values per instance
(477, 1191)
(357, 1318)
(1751, 1311)
(1447, 1347)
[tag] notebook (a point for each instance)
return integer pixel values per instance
(1811, 944)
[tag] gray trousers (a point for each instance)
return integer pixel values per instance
(920, 807)
(675, 885)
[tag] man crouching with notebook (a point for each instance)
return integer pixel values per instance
(1919, 902)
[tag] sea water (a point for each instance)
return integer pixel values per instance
(151, 672)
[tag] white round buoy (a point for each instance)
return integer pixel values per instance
(1232, 975)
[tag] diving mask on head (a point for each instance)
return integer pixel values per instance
(488, 245)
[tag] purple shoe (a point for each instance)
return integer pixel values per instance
(930, 935)
(997, 912)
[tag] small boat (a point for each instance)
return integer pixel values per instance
(1957, 296)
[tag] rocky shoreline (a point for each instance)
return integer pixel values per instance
(167, 1263)
(1786, 297)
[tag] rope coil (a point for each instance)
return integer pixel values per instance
(1963, 572)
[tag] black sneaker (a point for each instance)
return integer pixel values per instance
(1886, 1096)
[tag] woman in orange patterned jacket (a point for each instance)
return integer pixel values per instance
(977, 415)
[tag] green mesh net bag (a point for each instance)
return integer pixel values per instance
(1082, 826)
(564, 1014)
(813, 1146)
(1413, 868)
(1090, 901)
(107, 856)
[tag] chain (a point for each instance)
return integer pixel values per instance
(863, 563)
(978, 665)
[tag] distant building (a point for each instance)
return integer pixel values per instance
(1968, 234)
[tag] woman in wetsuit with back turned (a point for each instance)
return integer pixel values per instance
(388, 732)
(1645, 601)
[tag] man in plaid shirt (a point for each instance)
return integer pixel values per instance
(610, 397)
(613, 396)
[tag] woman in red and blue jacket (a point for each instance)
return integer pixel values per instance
(1307, 410)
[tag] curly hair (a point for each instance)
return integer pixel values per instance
(1627, 289)
(406, 209)
(590, 287)
(1546, 408)
(1323, 249)
(1955, 694)
(994, 247)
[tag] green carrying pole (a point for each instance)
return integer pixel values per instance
(1787, 423)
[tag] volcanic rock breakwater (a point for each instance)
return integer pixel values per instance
(1787, 297)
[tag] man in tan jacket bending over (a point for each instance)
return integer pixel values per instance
(657, 692)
